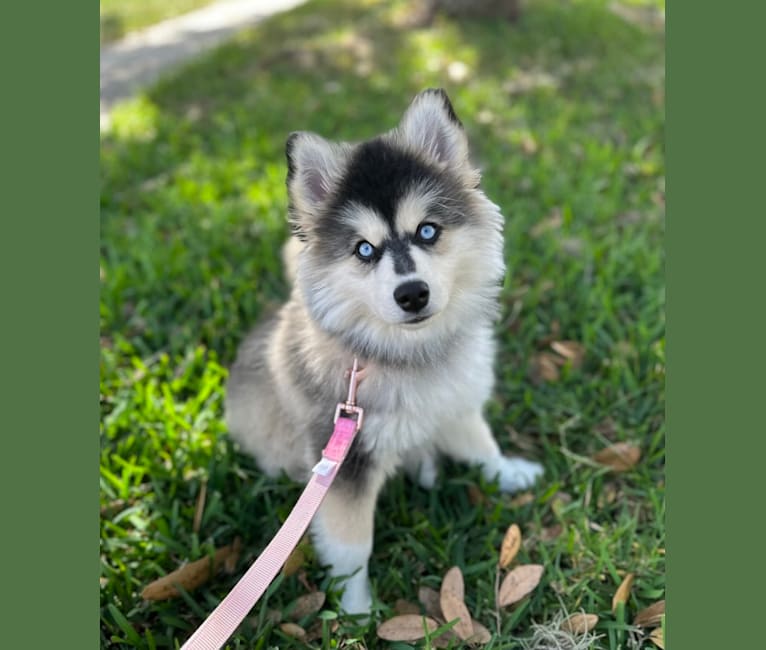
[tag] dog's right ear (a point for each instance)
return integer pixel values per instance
(314, 167)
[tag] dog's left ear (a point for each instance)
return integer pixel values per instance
(431, 127)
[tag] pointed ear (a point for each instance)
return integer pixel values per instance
(314, 167)
(431, 127)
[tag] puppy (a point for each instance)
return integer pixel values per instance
(397, 259)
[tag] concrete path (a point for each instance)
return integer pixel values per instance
(143, 57)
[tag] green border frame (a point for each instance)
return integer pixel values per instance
(716, 323)
(49, 60)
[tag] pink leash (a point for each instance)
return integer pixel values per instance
(231, 611)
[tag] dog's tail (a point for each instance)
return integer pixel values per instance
(290, 252)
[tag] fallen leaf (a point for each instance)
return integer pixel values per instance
(518, 583)
(293, 630)
(650, 616)
(570, 350)
(294, 562)
(199, 510)
(476, 496)
(430, 600)
(623, 591)
(545, 367)
(658, 638)
(480, 634)
(307, 604)
(409, 627)
(579, 623)
(551, 532)
(620, 456)
(402, 607)
(553, 222)
(191, 575)
(524, 499)
(230, 561)
(510, 546)
(451, 599)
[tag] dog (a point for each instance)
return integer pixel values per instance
(396, 258)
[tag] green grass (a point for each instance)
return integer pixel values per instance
(118, 17)
(565, 114)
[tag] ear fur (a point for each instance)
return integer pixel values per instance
(314, 167)
(431, 127)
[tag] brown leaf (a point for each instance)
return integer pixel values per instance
(570, 350)
(476, 496)
(199, 510)
(650, 616)
(553, 222)
(544, 367)
(523, 499)
(430, 600)
(409, 627)
(230, 561)
(294, 562)
(480, 634)
(293, 630)
(620, 456)
(189, 576)
(518, 583)
(658, 638)
(402, 607)
(579, 623)
(551, 532)
(623, 591)
(451, 599)
(307, 604)
(510, 546)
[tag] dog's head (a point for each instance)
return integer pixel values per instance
(401, 247)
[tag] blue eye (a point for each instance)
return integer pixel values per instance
(365, 251)
(427, 232)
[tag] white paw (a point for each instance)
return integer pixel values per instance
(513, 474)
(356, 598)
(427, 473)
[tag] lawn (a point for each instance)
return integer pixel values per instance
(565, 112)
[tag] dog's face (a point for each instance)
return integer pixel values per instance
(401, 247)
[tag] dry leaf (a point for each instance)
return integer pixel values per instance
(294, 562)
(409, 627)
(518, 583)
(199, 510)
(480, 634)
(650, 616)
(451, 599)
(523, 499)
(476, 496)
(545, 367)
(553, 222)
(230, 561)
(551, 532)
(579, 623)
(293, 630)
(308, 604)
(571, 350)
(658, 638)
(402, 607)
(510, 546)
(623, 591)
(191, 575)
(430, 600)
(620, 457)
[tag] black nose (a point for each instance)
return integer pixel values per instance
(412, 296)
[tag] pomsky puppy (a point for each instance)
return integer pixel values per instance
(396, 258)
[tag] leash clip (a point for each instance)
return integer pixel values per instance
(349, 407)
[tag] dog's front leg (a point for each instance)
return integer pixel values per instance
(343, 534)
(469, 440)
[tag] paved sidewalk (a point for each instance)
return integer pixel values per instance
(143, 57)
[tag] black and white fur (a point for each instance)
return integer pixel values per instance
(428, 365)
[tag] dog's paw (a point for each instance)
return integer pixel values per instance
(514, 474)
(356, 598)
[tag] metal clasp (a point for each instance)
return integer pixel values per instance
(349, 407)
